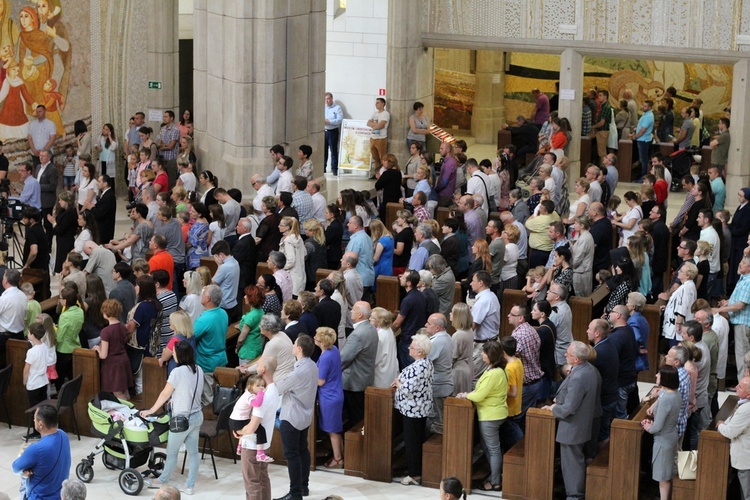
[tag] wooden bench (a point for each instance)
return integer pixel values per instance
(666, 148)
(585, 309)
(210, 263)
(615, 471)
(354, 451)
(388, 293)
(85, 362)
(587, 153)
(154, 380)
(713, 462)
(706, 152)
(510, 298)
(529, 466)
(18, 401)
(626, 156)
(379, 432)
(504, 138)
(456, 451)
(441, 214)
(390, 213)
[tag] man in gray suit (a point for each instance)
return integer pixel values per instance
(358, 363)
(46, 174)
(441, 356)
(576, 406)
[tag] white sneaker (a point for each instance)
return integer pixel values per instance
(409, 481)
(186, 490)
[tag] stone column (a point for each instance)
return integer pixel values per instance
(410, 72)
(259, 80)
(737, 174)
(489, 107)
(571, 77)
(163, 58)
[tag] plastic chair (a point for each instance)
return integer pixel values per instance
(66, 400)
(212, 429)
(5, 374)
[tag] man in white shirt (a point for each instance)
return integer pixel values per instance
(13, 303)
(709, 234)
(334, 116)
(379, 135)
(254, 473)
(258, 182)
(286, 178)
(478, 183)
(319, 201)
(42, 134)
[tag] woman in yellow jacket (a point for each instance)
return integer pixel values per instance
(490, 398)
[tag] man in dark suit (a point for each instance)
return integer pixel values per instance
(327, 310)
(245, 254)
(358, 363)
(740, 228)
(601, 231)
(46, 174)
(105, 208)
(577, 406)
(285, 206)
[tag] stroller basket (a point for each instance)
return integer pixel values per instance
(104, 426)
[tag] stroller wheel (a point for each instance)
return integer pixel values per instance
(109, 461)
(131, 482)
(156, 464)
(85, 472)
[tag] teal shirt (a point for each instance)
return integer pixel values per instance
(252, 347)
(210, 339)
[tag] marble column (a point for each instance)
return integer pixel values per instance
(737, 174)
(259, 76)
(571, 77)
(163, 58)
(410, 72)
(489, 107)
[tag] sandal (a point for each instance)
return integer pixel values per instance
(334, 464)
(492, 487)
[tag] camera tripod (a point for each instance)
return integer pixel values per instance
(11, 244)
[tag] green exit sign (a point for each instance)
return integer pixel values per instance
(154, 85)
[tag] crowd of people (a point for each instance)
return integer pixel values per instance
(301, 337)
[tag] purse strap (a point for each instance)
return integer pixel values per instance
(197, 380)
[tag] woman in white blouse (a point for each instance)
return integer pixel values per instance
(88, 189)
(88, 231)
(509, 271)
(386, 363)
(107, 149)
(294, 249)
(581, 205)
(628, 223)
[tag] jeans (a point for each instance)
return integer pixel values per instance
(510, 433)
(528, 399)
(490, 431)
(608, 413)
(297, 456)
(190, 437)
(699, 420)
(332, 143)
(643, 148)
(623, 393)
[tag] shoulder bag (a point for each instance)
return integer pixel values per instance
(181, 423)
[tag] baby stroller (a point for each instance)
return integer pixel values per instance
(528, 173)
(125, 445)
(681, 161)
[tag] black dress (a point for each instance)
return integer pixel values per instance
(334, 236)
(390, 183)
(66, 223)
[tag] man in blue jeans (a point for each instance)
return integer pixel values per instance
(298, 392)
(643, 135)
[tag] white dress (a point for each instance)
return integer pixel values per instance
(294, 250)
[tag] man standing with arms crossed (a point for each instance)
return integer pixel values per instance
(334, 116)
(379, 136)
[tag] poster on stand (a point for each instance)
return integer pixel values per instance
(354, 146)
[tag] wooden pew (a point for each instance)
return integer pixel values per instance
(379, 432)
(510, 298)
(18, 401)
(584, 309)
(230, 344)
(666, 148)
(653, 316)
(713, 462)
(387, 293)
(615, 471)
(668, 271)
(85, 362)
(354, 451)
(441, 214)
(503, 138)
(390, 212)
(210, 263)
(154, 380)
(705, 158)
(529, 466)
(587, 146)
(450, 454)
(625, 159)
(321, 274)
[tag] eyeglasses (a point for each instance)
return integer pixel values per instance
(516, 315)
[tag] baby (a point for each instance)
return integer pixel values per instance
(240, 417)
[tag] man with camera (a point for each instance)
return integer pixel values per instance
(36, 250)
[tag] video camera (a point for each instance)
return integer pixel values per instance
(10, 210)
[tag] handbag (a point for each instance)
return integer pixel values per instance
(225, 395)
(181, 423)
(687, 464)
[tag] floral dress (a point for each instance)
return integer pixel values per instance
(199, 248)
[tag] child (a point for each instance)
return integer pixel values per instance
(184, 219)
(602, 277)
(614, 202)
(514, 369)
(50, 342)
(695, 171)
(69, 168)
(35, 370)
(533, 278)
(251, 398)
(545, 196)
(33, 309)
(132, 160)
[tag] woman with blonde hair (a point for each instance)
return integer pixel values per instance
(182, 325)
(509, 272)
(383, 244)
(339, 294)
(482, 262)
(330, 394)
(463, 347)
(191, 301)
(386, 362)
(581, 205)
(179, 196)
(702, 252)
(638, 249)
(315, 251)
(294, 250)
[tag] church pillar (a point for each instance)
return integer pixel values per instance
(737, 174)
(259, 76)
(571, 78)
(489, 108)
(163, 59)
(410, 72)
